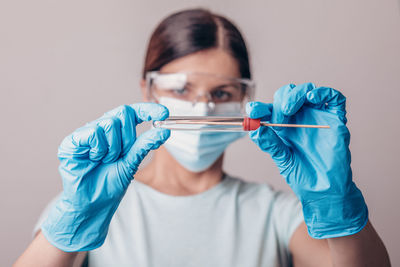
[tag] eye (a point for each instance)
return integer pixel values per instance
(180, 91)
(221, 95)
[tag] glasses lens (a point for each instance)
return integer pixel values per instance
(171, 85)
(229, 92)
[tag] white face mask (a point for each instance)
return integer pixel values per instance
(196, 150)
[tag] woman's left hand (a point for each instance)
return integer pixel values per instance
(314, 162)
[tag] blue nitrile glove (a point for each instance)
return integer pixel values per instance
(98, 162)
(314, 162)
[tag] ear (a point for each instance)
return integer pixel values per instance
(143, 88)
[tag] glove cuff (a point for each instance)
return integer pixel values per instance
(336, 216)
(71, 231)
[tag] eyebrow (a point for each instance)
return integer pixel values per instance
(225, 85)
(220, 86)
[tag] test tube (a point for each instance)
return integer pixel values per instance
(226, 124)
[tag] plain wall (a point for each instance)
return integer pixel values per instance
(64, 63)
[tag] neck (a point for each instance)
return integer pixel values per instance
(166, 175)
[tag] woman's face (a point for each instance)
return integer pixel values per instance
(215, 62)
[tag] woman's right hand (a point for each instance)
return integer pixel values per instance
(98, 162)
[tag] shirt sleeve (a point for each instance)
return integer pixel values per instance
(44, 214)
(287, 216)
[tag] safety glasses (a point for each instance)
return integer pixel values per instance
(199, 87)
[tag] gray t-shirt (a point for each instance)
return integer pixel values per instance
(235, 223)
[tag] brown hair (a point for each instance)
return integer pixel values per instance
(193, 30)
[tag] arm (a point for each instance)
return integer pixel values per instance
(41, 253)
(362, 249)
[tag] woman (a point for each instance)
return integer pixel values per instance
(182, 209)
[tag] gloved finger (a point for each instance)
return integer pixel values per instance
(330, 100)
(132, 115)
(258, 110)
(150, 111)
(112, 130)
(86, 142)
(127, 120)
(268, 141)
(279, 96)
(295, 98)
(149, 140)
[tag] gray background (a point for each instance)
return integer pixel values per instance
(63, 63)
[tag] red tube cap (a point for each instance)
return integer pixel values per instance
(251, 124)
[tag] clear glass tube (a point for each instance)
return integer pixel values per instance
(201, 123)
(226, 124)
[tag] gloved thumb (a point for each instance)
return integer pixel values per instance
(295, 98)
(259, 110)
(288, 100)
(149, 140)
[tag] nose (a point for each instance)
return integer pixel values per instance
(203, 97)
(206, 98)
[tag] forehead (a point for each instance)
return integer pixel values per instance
(212, 61)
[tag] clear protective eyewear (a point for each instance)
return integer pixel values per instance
(197, 87)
